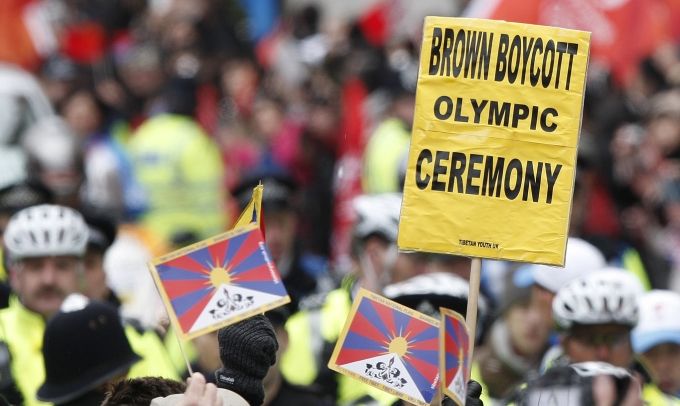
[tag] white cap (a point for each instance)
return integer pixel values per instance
(582, 258)
(659, 320)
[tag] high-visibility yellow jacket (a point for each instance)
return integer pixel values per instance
(386, 149)
(653, 396)
(3, 272)
(23, 332)
(181, 171)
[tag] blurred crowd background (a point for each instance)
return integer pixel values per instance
(156, 118)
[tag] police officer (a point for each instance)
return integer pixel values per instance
(45, 245)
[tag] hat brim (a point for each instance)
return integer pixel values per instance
(64, 392)
(643, 342)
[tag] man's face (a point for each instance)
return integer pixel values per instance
(604, 342)
(43, 283)
(663, 364)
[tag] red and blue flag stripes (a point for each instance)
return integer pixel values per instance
(378, 329)
(190, 280)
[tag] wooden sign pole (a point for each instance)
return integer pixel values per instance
(473, 298)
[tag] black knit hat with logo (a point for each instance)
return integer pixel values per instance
(247, 350)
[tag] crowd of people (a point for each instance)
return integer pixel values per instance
(132, 128)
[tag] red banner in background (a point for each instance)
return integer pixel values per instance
(623, 31)
(348, 170)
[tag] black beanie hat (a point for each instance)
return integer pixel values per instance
(247, 350)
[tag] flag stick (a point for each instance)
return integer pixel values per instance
(184, 355)
(473, 298)
(440, 391)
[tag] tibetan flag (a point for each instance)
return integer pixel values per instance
(454, 350)
(218, 281)
(253, 211)
(391, 347)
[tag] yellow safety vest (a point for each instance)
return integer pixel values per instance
(3, 272)
(176, 353)
(632, 262)
(23, 332)
(181, 170)
(653, 396)
(476, 374)
(155, 358)
(385, 152)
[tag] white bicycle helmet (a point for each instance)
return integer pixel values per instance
(46, 230)
(607, 296)
(377, 214)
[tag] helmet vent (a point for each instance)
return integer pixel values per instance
(32, 235)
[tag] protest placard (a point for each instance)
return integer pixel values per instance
(491, 166)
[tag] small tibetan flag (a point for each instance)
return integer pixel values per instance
(454, 350)
(391, 347)
(218, 281)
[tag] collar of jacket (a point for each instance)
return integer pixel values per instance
(28, 325)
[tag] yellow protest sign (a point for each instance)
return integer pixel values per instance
(493, 150)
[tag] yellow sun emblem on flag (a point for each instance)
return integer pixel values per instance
(398, 345)
(218, 275)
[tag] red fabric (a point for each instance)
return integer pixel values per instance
(350, 152)
(623, 31)
(239, 154)
(207, 109)
(16, 45)
(263, 229)
(374, 24)
(525, 11)
(674, 17)
(285, 149)
(84, 43)
(266, 47)
(601, 214)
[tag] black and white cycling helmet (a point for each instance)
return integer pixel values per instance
(377, 215)
(45, 230)
(573, 385)
(428, 292)
(606, 296)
